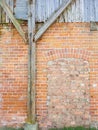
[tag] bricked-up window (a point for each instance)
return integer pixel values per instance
(68, 92)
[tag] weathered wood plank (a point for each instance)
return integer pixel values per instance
(21, 9)
(0, 14)
(78, 11)
(69, 13)
(32, 58)
(52, 19)
(81, 9)
(13, 19)
(3, 17)
(7, 18)
(87, 10)
(96, 9)
(73, 14)
(92, 10)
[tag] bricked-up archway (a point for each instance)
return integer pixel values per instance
(68, 92)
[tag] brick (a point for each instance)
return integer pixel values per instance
(61, 44)
(69, 40)
(13, 56)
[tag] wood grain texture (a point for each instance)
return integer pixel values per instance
(31, 62)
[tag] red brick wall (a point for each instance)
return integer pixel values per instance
(61, 40)
(13, 77)
(67, 40)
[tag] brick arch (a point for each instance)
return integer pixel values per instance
(53, 55)
(67, 53)
(50, 55)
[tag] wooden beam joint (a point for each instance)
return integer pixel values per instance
(52, 19)
(9, 13)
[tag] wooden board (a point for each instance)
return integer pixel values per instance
(79, 11)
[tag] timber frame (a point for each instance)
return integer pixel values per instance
(31, 62)
(32, 38)
(52, 19)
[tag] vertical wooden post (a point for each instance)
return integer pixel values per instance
(31, 62)
(0, 14)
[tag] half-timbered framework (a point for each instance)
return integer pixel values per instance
(32, 38)
(46, 13)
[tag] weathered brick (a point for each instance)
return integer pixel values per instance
(13, 77)
(62, 41)
(69, 40)
(66, 96)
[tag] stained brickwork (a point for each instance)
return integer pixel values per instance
(61, 41)
(13, 77)
(67, 41)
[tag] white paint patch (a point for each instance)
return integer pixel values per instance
(94, 85)
(82, 85)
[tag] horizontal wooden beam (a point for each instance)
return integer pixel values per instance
(52, 19)
(9, 13)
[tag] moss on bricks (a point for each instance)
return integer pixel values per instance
(8, 128)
